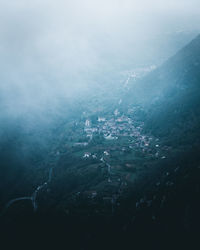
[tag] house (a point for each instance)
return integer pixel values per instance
(94, 130)
(87, 155)
(90, 136)
(87, 123)
(116, 112)
(109, 137)
(119, 120)
(101, 119)
(81, 144)
(94, 156)
(93, 194)
(90, 194)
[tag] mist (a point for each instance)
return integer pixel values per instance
(69, 50)
(99, 124)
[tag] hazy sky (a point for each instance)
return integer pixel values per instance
(49, 47)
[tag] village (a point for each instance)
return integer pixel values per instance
(121, 148)
(119, 129)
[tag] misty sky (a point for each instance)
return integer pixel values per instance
(49, 47)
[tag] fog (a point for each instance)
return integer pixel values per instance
(50, 50)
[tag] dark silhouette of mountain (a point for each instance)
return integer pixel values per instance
(170, 95)
(170, 98)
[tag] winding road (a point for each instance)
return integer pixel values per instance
(33, 197)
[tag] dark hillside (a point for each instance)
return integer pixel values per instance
(170, 95)
(179, 73)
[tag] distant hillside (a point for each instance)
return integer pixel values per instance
(170, 95)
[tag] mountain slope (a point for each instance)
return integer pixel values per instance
(178, 73)
(170, 95)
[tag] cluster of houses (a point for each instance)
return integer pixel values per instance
(119, 126)
(137, 73)
(112, 128)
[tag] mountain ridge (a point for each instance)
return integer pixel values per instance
(175, 69)
(170, 95)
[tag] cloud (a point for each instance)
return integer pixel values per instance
(51, 48)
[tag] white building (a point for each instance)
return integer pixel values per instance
(101, 119)
(110, 137)
(86, 155)
(116, 112)
(87, 123)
